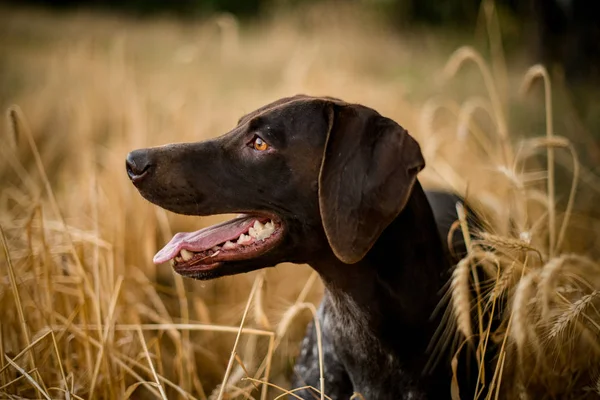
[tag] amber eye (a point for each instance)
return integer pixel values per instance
(259, 144)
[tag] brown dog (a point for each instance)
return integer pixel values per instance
(333, 185)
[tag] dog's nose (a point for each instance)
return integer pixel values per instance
(137, 164)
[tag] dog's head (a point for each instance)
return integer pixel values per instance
(310, 176)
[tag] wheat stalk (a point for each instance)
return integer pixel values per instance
(456, 60)
(509, 243)
(461, 296)
(572, 313)
(521, 306)
(503, 282)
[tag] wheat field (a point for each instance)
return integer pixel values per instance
(85, 314)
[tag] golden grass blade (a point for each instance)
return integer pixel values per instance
(50, 192)
(462, 217)
(313, 310)
(21, 173)
(290, 392)
(464, 226)
(286, 392)
(270, 351)
(151, 364)
(17, 379)
(518, 310)
(173, 326)
(29, 377)
(235, 392)
(495, 41)
(9, 153)
(534, 72)
(529, 146)
(454, 387)
(237, 338)
(287, 318)
(28, 348)
(571, 201)
(60, 365)
(184, 310)
(96, 255)
(132, 388)
(66, 393)
(430, 108)
(13, 127)
(260, 316)
(498, 376)
(241, 363)
(17, 296)
(2, 351)
(130, 371)
(457, 59)
(465, 123)
(107, 326)
(591, 180)
(122, 359)
(47, 272)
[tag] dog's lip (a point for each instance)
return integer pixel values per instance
(186, 270)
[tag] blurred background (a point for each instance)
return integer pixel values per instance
(85, 82)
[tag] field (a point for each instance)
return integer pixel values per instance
(85, 314)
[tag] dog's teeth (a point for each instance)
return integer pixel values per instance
(252, 232)
(186, 255)
(256, 229)
(228, 245)
(266, 232)
(244, 239)
(216, 248)
(178, 259)
(258, 226)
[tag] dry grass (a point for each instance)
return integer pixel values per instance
(85, 314)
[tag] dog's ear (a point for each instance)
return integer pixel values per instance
(369, 167)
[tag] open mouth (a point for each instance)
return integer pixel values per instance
(242, 238)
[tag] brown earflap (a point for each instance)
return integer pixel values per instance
(369, 167)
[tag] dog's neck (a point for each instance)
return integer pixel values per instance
(394, 290)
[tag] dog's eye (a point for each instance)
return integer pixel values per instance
(259, 144)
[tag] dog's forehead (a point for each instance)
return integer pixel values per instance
(287, 105)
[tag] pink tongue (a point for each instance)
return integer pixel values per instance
(204, 239)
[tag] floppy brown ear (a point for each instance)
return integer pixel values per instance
(369, 167)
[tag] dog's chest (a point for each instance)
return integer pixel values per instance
(375, 372)
(345, 324)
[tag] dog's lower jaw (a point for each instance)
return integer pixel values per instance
(378, 311)
(228, 269)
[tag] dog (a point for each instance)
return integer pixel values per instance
(334, 185)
